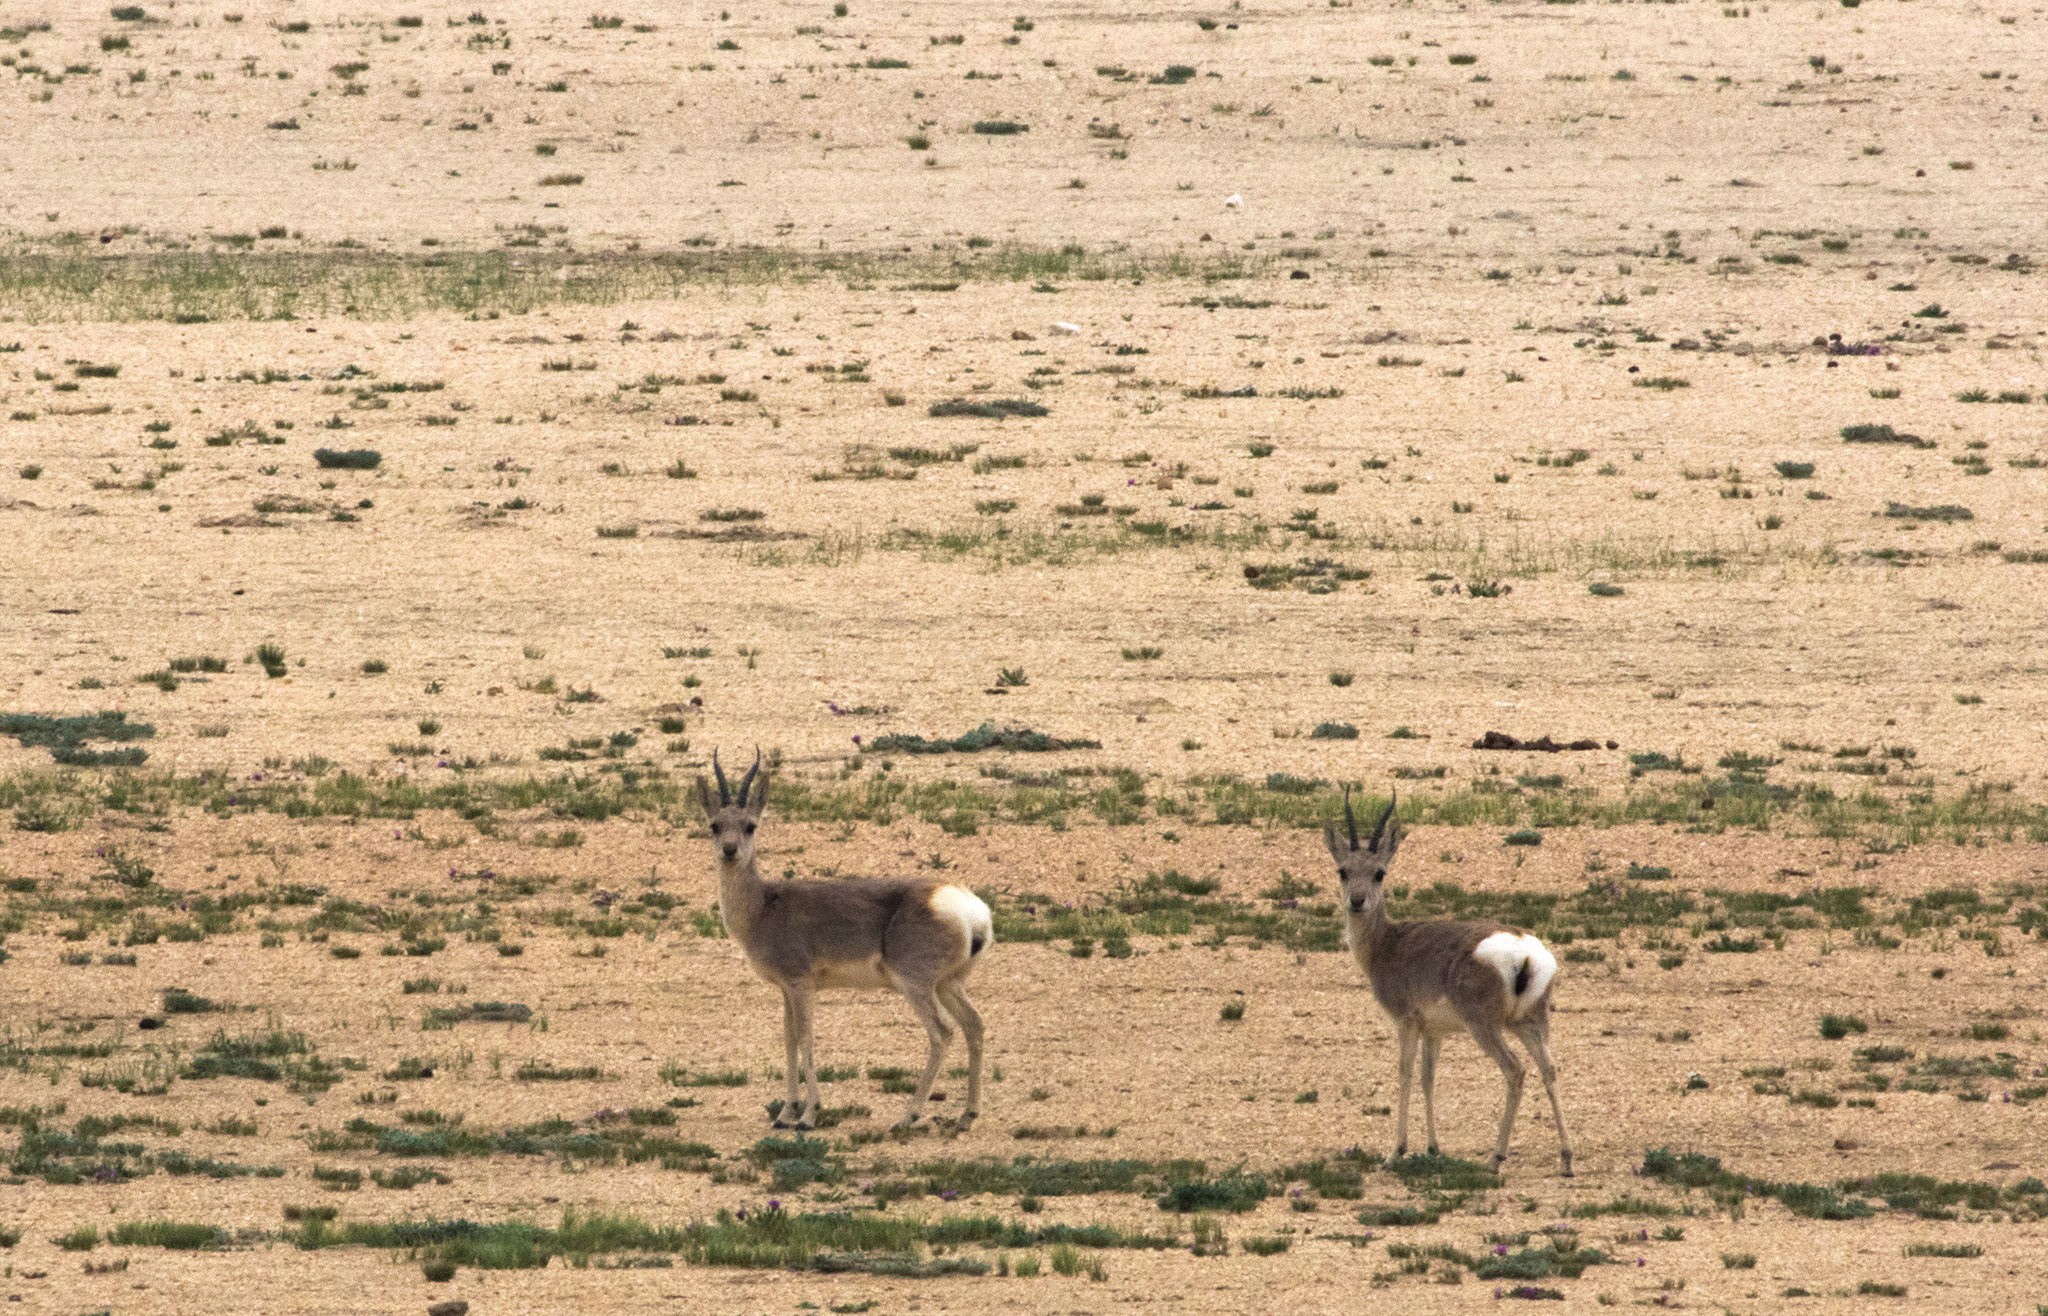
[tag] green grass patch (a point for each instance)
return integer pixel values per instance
(987, 736)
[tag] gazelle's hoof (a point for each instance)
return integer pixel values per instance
(906, 1123)
(965, 1121)
(1564, 1166)
(1435, 1150)
(807, 1121)
(1400, 1149)
(780, 1123)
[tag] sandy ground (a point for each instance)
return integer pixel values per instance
(1553, 316)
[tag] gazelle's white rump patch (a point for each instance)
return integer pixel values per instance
(959, 905)
(1518, 957)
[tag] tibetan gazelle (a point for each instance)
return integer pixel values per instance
(914, 936)
(1439, 978)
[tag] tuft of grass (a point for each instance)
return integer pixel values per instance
(168, 1234)
(1945, 513)
(984, 737)
(179, 1001)
(1236, 1192)
(1882, 434)
(1834, 1027)
(990, 409)
(353, 459)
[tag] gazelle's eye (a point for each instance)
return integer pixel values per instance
(750, 829)
(1379, 877)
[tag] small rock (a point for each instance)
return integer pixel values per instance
(452, 1307)
(146, 1024)
(1233, 202)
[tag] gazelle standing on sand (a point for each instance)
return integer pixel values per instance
(920, 937)
(1439, 978)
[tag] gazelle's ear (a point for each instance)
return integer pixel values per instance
(1335, 840)
(704, 797)
(1392, 840)
(758, 802)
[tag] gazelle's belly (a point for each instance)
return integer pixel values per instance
(1439, 1019)
(857, 974)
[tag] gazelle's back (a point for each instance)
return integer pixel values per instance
(1421, 970)
(897, 924)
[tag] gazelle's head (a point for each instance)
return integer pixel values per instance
(733, 821)
(1362, 869)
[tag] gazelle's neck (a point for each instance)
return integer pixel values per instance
(739, 896)
(1366, 934)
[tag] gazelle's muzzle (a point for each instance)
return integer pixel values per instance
(731, 849)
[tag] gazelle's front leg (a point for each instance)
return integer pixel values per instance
(785, 1117)
(1408, 1033)
(802, 1001)
(1431, 1044)
(811, 1073)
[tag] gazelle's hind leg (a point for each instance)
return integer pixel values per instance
(1431, 1043)
(1408, 1033)
(1535, 1036)
(924, 1000)
(1495, 1045)
(953, 996)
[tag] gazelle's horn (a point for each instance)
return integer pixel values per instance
(724, 791)
(1350, 822)
(747, 782)
(1381, 830)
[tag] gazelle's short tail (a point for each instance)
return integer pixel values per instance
(963, 907)
(1525, 965)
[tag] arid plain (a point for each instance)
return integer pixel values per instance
(1071, 444)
